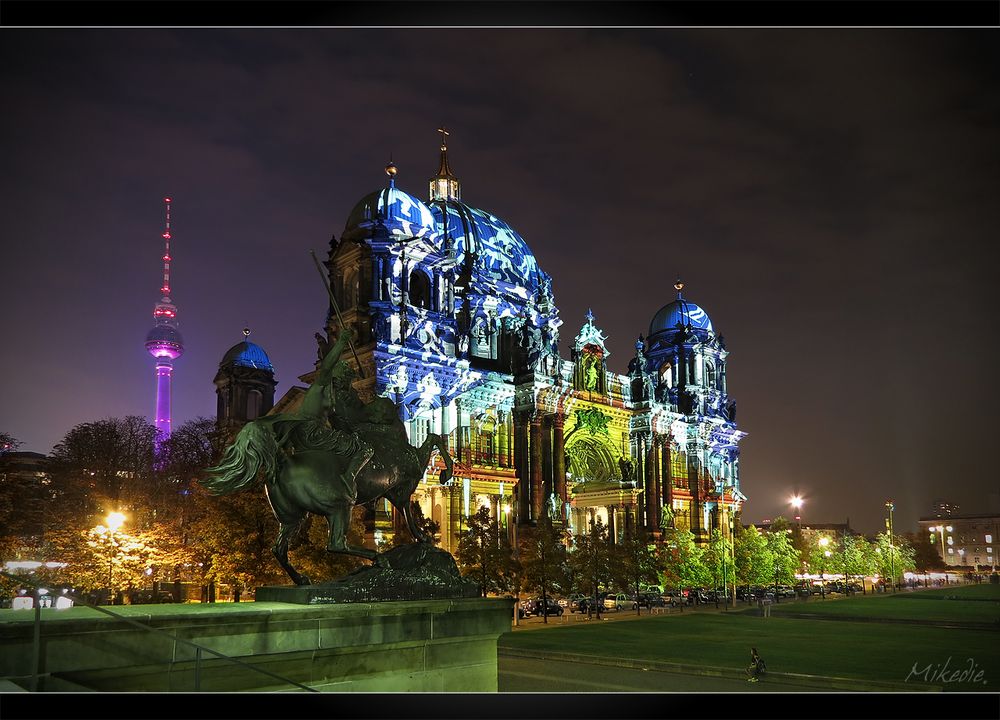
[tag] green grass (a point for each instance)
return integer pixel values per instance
(920, 605)
(834, 649)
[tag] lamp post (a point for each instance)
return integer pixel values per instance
(114, 521)
(892, 548)
(796, 502)
(823, 542)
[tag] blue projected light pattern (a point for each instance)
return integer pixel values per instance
(247, 354)
(404, 216)
(678, 314)
(503, 261)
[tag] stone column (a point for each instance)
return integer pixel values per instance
(535, 446)
(652, 496)
(548, 481)
(559, 457)
(521, 467)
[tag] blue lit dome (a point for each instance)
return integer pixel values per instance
(404, 216)
(502, 256)
(247, 354)
(678, 314)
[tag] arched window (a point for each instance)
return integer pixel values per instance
(420, 290)
(350, 289)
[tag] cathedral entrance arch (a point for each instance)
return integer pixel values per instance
(592, 458)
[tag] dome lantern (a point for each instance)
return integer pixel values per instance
(444, 185)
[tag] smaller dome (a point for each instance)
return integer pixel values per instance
(247, 354)
(403, 215)
(680, 313)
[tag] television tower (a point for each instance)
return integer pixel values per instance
(164, 341)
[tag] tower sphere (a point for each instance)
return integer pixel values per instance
(164, 341)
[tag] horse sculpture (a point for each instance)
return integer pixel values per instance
(303, 475)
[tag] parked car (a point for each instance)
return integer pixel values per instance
(646, 600)
(786, 591)
(537, 606)
(674, 598)
(569, 603)
(615, 601)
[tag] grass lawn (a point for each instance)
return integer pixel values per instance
(972, 605)
(818, 647)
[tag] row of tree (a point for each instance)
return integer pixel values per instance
(545, 561)
(174, 530)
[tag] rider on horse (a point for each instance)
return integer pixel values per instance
(310, 429)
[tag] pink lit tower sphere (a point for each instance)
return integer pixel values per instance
(164, 341)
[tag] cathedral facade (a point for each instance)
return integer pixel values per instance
(457, 324)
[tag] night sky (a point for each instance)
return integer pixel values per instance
(829, 197)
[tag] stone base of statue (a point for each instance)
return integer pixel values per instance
(417, 571)
(400, 646)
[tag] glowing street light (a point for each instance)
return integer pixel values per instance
(114, 521)
(796, 502)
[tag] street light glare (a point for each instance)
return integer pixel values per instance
(115, 520)
(796, 501)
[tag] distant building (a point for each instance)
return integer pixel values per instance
(964, 540)
(944, 508)
(27, 474)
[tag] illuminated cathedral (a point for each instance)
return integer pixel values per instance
(457, 324)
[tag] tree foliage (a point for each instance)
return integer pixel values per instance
(591, 558)
(682, 560)
(104, 466)
(484, 552)
(543, 559)
(754, 561)
(636, 561)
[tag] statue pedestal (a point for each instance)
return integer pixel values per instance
(407, 646)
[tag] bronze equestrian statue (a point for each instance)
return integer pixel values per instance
(334, 453)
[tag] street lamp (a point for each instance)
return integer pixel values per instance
(796, 502)
(892, 550)
(114, 521)
(823, 542)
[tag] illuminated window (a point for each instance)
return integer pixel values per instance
(951, 540)
(989, 550)
(989, 538)
(678, 466)
(951, 551)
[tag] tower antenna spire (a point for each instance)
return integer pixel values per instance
(164, 341)
(166, 253)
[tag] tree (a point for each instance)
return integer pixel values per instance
(483, 552)
(8, 443)
(103, 466)
(682, 560)
(543, 560)
(857, 558)
(717, 560)
(893, 556)
(636, 561)
(231, 537)
(784, 557)
(754, 560)
(925, 552)
(591, 558)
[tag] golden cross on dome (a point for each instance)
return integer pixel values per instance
(444, 137)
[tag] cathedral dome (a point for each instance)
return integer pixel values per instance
(680, 313)
(502, 256)
(404, 216)
(247, 354)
